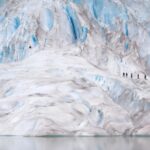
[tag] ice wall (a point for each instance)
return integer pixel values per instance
(116, 25)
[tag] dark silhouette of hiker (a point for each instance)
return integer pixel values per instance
(123, 74)
(126, 75)
(30, 47)
(131, 75)
(138, 76)
(145, 77)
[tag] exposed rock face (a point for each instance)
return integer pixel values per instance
(62, 65)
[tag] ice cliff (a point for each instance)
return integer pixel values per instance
(62, 65)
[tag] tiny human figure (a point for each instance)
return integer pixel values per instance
(131, 75)
(126, 74)
(138, 76)
(30, 47)
(123, 74)
(145, 77)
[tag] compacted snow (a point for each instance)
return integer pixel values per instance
(63, 66)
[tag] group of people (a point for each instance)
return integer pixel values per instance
(126, 75)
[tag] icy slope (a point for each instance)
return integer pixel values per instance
(61, 66)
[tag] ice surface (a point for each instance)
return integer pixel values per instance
(62, 65)
(47, 19)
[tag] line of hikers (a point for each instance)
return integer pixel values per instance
(126, 75)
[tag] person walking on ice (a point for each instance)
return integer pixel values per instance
(145, 77)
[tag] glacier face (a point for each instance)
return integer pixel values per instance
(62, 65)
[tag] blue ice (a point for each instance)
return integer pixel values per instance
(126, 31)
(116, 90)
(34, 40)
(77, 1)
(9, 92)
(2, 18)
(110, 12)
(11, 52)
(98, 78)
(78, 32)
(96, 7)
(124, 15)
(107, 11)
(21, 51)
(16, 23)
(12, 27)
(48, 19)
(84, 34)
(126, 45)
(8, 53)
(74, 23)
(1, 56)
(2, 2)
(107, 19)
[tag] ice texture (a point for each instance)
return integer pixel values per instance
(62, 65)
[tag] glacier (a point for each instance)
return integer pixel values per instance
(62, 65)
